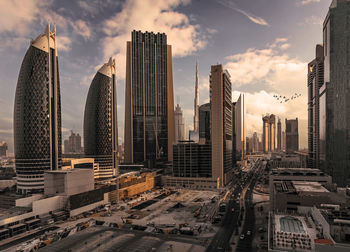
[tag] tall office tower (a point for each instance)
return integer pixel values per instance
(3, 149)
(204, 123)
(272, 133)
(73, 143)
(336, 36)
(196, 104)
(241, 143)
(279, 135)
(269, 133)
(292, 135)
(254, 142)
(149, 99)
(100, 121)
(221, 121)
(283, 140)
(179, 124)
(234, 132)
(265, 136)
(37, 114)
(316, 89)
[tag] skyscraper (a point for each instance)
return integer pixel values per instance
(196, 104)
(179, 124)
(149, 99)
(241, 142)
(221, 121)
(37, 114)
(292, 135)
(3, 149)
(279, 135)
(73, 143)
(269, 133)
(100, 120)
(315, 82)
(204, 122)
(234, 137)
(336, 115)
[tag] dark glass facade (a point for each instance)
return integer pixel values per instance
(99, 121)
(192, 160)
(204, 122)
(37, 117)
(336, 37)
(316, 109)
(147, 137)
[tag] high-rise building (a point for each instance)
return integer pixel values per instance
(73, 143)
(292, 135)
(269, 133)
(221, 121)
(283, 140)
(336, 115)
(254, 142)
(234, 137)
(149, 99)
(196, 103)
(315, 91)
(240, 125)
(279, 135)
(179, 124)
(100, 121)
(204, 123)
(37, 114)
(3, 149)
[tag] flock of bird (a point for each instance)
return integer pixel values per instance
(283, 99)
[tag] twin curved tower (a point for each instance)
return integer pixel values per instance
(100, 121)
(37, 114)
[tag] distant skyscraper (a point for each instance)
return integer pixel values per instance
(254, 142)
(221, 123)
(3, 149)
(269, 133)
(204, 122)
(149, 99)
(241, 144)
(196, 104)
(100, 120)
(279, 135)
(336, 115)
(179, 124)
(292, 135)
(73, 143)
(234, 137)
(315, 82)
(37, 114)
(283, 140)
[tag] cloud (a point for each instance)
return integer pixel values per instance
(313, 20)
(270, 66)
(278, 72)
(253, 18)
(306, 2)
(17, 15)
(156, 16)
(81, 28)
(64, 43)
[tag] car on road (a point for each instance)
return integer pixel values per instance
(241, 237)
(249, 232)
(232, 210)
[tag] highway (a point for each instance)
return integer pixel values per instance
(221, 240)
(245, 244)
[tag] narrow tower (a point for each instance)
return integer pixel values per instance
(37, 114)
(196, 104)
(100, 121)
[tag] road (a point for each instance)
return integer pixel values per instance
(221, 240)
(245, 244)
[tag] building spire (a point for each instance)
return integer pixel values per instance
(196, 103)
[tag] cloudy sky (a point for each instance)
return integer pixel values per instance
(264, 44)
